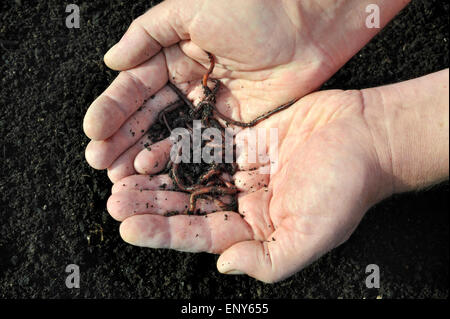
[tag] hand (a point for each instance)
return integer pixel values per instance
(268, 53)
(329, 173)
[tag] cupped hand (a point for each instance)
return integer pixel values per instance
(323, 172)
(268, 53)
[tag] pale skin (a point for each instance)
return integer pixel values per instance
(339, 153)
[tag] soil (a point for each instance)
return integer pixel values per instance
(52, 202)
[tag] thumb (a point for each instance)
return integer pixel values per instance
(254, 258)
(272, 260)
(162, 26)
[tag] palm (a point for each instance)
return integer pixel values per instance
(326, 177)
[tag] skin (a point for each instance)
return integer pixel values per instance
(269, 64)
(339, 151)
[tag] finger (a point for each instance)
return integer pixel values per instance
(181, 68)
(162, 26)
(153, 159)
(271, 260)
(187, 72)
(196, 53)
(211, 233)
(101, 154)
(250, 181)
(123, 97)
(122, 205)
(123, 166)
(255, 208)
(143, 182)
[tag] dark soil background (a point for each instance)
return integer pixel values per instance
(51, 200)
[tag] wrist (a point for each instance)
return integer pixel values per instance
(339, 29)
(409, 124)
